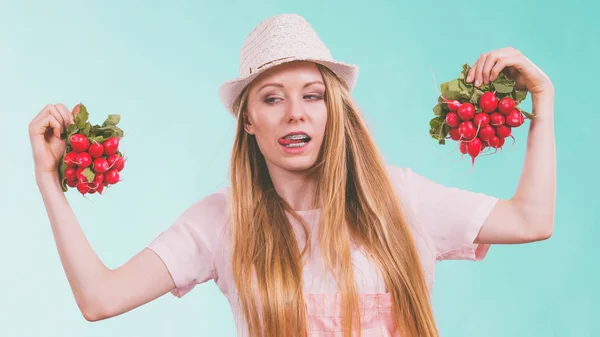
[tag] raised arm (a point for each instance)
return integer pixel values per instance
(529, 214)
(100, 292)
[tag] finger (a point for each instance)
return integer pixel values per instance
(497, 68)
(51, 122)
(471, 73)
(41, 116)
(54, 112)
(478, 72)
(65, 113)
(488, 65)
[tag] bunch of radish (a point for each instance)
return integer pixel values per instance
(478, 118)
(92, 159)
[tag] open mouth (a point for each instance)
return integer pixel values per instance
(294, 140)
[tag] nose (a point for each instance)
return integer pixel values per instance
(295, 110)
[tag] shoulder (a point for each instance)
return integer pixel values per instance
(403, 181)
(210, 209)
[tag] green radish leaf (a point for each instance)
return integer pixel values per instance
(451, 90)
(119, 133)
(525, 113)
(71, 130)
(89, 174)
(476, 96)
(112, 120)
(61, 175)
(435, 123)
(98, 139)
(503, 84)
(485, 87)
(438, 110)
(520, 95)
(82, 117)
(463, 74)
(439, 129)
(107, 131)
(86, 129)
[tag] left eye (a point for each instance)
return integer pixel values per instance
(313, 97)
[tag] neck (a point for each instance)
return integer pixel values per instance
(295, 187)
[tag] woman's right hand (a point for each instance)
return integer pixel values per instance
(44, 134)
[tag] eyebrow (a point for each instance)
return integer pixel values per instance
(279, 85)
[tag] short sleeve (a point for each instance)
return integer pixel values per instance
(189, 245)
(450, 216)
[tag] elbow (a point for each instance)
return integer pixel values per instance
(91, 314)
(536, 221)
(540, 229)
(93, 310)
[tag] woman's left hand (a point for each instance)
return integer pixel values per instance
(515, 66)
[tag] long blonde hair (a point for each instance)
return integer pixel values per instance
(355, 197)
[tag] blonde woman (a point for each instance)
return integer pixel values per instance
(316, 236)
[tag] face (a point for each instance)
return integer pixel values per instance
(283, 101)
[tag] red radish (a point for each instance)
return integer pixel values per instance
(71, 159)
(84, 159)
(481, 119)
(83, 187)
(453, 105)
(503, 131)
(452, 119)
(96, 150)
(501, 143)
(115, 161)
(120, 164)
(98, 179)
(488, 102)
(111, 145)
(71, 173)
(111, 176)
(506, 105)
(467, 130)
(466, 111)
(497, 119)
(515, 118)
(454, 134)
(72, 183)
(494, 142)
(79, 142)
(463, 147)
(101, 165)
(487, 132)
(474, 148)
(100, 188)
(80, 176)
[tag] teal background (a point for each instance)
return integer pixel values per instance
(159, 63)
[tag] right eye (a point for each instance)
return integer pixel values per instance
(271, 100)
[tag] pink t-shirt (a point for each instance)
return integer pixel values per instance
(445, 221)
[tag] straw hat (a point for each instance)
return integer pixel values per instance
(279, 39)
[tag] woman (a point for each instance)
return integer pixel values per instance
(316, 235)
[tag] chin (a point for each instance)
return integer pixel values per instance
(296, 164)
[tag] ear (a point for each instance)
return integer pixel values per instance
(247, 124)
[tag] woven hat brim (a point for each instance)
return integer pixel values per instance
(230, 90)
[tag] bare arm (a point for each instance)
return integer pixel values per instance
(529, 215)
(100, 292)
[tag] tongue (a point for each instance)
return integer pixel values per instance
(284, 141)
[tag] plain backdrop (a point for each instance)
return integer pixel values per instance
(159, 63)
